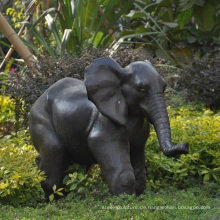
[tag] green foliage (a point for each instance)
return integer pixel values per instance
(79, 181)
(19, 177)
(55, 192)
(7, 108)
(29, 86)
(202, 81)
(16, 13)
(78, 26)
(176, 29)
(201, 129)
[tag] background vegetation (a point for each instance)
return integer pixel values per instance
(181, 39)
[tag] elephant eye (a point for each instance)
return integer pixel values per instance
(142, 90)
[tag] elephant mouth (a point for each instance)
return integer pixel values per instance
(144, 113)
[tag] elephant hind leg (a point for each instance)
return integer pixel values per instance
(52, 158)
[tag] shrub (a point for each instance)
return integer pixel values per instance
(202, 81)
(19, 176)
(29, 86)
(201, 129)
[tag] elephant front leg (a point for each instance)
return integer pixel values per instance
(138, 164)
(112, 152)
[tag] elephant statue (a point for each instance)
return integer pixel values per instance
(104, 119)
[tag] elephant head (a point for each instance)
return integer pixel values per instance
(136, 89)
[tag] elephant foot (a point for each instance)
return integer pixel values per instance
(176, 150)
(124, 183)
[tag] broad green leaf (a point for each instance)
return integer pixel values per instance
(60, 189)
(96, 38)
(140, 29)
(205, 16)
(184, 17)
(205, 171)
(51, 198)
(216, 177)
(73, 187)
(59, 193)
(81, 189)
(206, 177)
(65, 180)
(54, 188)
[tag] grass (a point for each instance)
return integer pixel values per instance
(195, 202)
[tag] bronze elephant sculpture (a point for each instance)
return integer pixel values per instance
(103, 120)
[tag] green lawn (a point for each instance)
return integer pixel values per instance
(195, 202)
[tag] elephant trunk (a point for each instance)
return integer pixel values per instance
(158, 116)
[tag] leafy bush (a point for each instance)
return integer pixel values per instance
(174, 30)
(202, 81)
(19, 176)
(201, 129)
(29, 86)
(71, 26)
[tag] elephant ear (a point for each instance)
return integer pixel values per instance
(103, 83)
